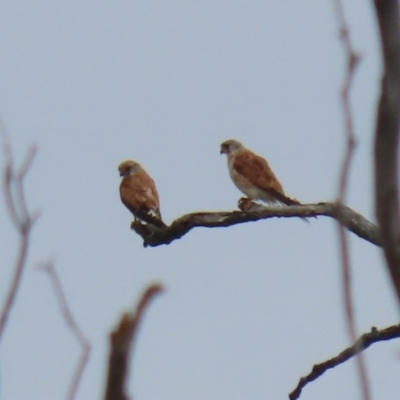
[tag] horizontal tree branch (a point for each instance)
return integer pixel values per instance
(366, 340)
(353, 221)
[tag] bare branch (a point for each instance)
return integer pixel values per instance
(353, 221)
(72, 325)
(366, 340)
(19, 182)
(387, 138)
(353, 60)
(8, 177)
(19, 215)
(122, 340)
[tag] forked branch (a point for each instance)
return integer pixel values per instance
(14, 195)
(72, 325)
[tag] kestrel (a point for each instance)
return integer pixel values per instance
(253, 176)
(139, 194)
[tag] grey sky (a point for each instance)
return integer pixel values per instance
(248, 309)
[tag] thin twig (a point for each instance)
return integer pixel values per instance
(122, 340)
(19, 185)
(353, 60)
(72, 325)
(19, 215)
(387, 138)
(353, 221)
(363, 342)
(8, 173)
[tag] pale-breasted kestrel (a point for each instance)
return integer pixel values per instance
(253, 176)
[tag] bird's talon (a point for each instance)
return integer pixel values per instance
(135, 223)
(245, 204)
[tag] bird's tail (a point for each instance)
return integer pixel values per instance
(290, 201)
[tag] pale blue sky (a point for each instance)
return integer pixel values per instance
(249, 309)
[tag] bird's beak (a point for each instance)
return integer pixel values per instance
(221, 151)
(120, 174)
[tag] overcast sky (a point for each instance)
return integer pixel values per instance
(248, 309)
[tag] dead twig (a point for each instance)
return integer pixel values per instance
(353, 221)
(122, 340)
(387, 138)
(14, 195)
(353, 60)
(366, 340)
(72, 325)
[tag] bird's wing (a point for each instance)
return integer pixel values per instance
(257, 171)
(140, 196)
(144, 190)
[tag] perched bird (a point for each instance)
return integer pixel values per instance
(139, 194)
(253, 176)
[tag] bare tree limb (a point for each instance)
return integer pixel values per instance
(353, 60)
(387, 138)
(72, 325)
(364, 341)
(122, 340)
(353, 221)
(14, 195)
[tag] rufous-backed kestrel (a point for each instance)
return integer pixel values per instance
(139, 193)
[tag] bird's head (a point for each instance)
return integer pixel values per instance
(128, 167)
(231, 147)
